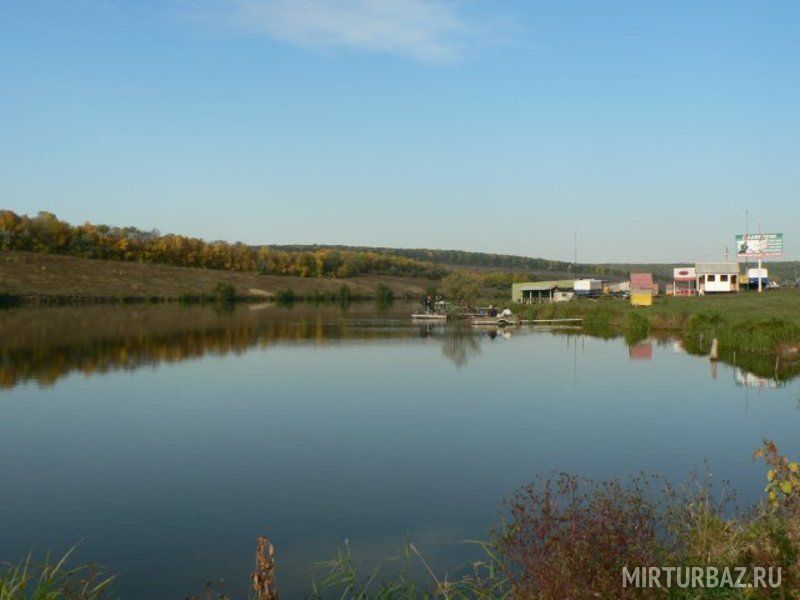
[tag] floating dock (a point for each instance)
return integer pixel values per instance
(505, 322)
(499, 322)
(551, 321)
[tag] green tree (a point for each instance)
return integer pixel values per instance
(461, 288)
(384, 294)
(345, 295)
(224, 292)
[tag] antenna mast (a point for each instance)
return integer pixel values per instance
(575, 258)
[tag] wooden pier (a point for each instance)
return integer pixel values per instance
(551, 321)
(505, 321)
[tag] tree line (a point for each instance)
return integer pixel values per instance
(45, 233)
(485, 260)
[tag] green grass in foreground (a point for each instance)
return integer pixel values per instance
(51, 580)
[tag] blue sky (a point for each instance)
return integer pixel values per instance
(646, 127)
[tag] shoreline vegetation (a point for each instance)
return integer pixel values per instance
(46, 260)
(760, 330)
(561, 536)
(45, 233)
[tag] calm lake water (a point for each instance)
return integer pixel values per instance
(165, 439)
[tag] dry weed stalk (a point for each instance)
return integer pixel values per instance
(264, 575)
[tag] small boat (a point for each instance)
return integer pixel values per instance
(434, 311)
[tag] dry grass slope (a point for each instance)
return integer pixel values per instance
(40, 276)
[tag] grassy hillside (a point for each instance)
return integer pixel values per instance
(44, 257)
(46, 234)
(45, 276)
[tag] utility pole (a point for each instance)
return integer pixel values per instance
(575, 257)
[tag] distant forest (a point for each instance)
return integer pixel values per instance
(479, 260)
(541, 268)
(45, 233)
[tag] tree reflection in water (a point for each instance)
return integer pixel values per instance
(46, 344)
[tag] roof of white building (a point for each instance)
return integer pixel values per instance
(717, 268)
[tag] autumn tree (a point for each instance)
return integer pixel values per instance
(461, 288)
(45, 233)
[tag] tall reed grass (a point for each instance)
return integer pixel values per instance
(54, 580)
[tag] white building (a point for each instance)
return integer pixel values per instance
(588, 287)
(717, 277)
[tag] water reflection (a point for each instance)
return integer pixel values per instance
(751, 380)
(641, 351)
(353, 424)
(751, 369)
(46, 344)
(459, 345)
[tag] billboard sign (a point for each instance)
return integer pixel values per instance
(759, 245)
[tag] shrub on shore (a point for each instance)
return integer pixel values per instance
(8, 300)
(345, 295)
(224, 292)
(570, 537)
(285, 297)
(384, 294)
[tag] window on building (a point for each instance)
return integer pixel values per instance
(723, 278)
(711, 277)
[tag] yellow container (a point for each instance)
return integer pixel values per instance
(642, 298)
